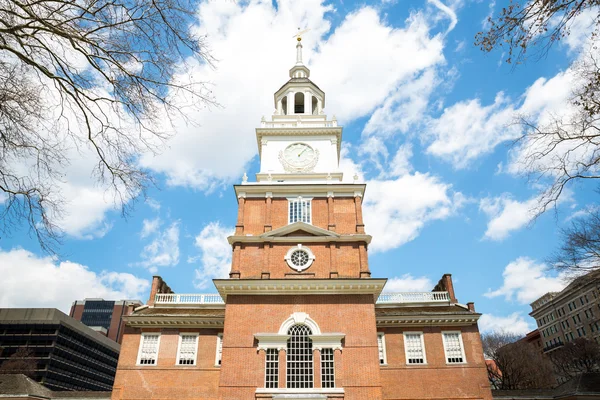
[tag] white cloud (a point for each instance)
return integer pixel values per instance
(514, 324)
(409, 283)
(525, 280)
(32, 281)
(506, 215)
(467, 130)
(163, 251)
(215, 254)
(149, 226)
(153, 204)
(396, 210)
(357, 82)
(400, 164)
(448, 12)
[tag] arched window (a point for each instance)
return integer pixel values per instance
(299, 103)
(299, 358)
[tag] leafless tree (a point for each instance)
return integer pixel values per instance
(93, 75)
(515, 364)
(576, 357)
(561, 148)
(20, 362)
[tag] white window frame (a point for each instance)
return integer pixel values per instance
(381, 342)
(276, 374)
(219, 354)
(422, 337)
(179, 349)
(302, 199)
(323, 361)
(462, 347)
(141, 345)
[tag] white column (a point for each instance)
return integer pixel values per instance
(307, 102)
(279, 108)
(290, 103)
(319, 107)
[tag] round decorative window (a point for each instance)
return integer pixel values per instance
(299, 258)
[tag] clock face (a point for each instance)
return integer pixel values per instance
(299, 154)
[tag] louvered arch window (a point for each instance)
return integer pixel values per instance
(299, 358)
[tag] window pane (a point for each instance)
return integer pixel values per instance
(187, 350)
(381, 348)
(414, 348)
(299, 358)
(453, 348)
(327, 368)
(149, 352)
(272, 369)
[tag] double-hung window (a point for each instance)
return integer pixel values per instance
(148, 352)
(272, 369)
(219, 350)
(327, 369)
(381, 347)
(453, 348)
(187, 350)
(299, 210)
(414, 348)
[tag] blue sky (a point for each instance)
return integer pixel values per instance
(426, 121)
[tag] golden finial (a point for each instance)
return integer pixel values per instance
(298, 35)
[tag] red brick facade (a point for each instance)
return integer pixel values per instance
(322, 303)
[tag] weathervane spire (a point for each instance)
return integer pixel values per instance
(298, 37)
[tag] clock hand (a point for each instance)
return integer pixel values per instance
(306, 148)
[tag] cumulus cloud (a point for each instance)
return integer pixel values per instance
(525, 280)
(514, 324)
(32, 281)
(163, 250)
(409, 283)
(215, 254)
(506, 215)
(396, 210)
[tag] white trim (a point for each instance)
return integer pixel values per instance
(271, 341)
(422, 337)
(290, 263)
(299, 318)
(288, 392)
(217, 353)
(142, 335)
(327, 341)
(181, 335)
(381, 347)
(291, 287)
(462, 347)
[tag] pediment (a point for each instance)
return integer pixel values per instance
(299, 229)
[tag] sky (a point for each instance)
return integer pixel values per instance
(427, 125)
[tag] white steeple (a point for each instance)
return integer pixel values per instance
(299, 144)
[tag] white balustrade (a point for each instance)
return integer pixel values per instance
(413, 297)
(172, 298)
(302, 124)
(384, 298)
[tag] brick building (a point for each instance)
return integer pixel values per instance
(572, 313)
(300, 316)
(104, 316)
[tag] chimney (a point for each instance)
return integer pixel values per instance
(471, 306)
(158, 286)
(445, 285)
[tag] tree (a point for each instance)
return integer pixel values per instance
(565, 147)
(515, 364)
(576, 357)
(91, 75)
(20, 362)
(579, 252)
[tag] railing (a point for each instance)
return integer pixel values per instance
(414, 297)
(384, 298)
(299, 124)
(173, 298)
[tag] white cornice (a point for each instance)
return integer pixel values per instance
(303, 239)
(299, 131)
(302, 177)
(425, 320)
(311, 286)
(147, 321)
(278, 190)
(288, 394)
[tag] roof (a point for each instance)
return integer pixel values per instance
(423, 310)
(168, 312)
(53, 316)
(20, 385)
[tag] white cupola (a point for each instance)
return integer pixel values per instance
(299, 144)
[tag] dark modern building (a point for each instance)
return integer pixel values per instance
(69, 355)
(104, 316)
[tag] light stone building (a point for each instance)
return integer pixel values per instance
(300, 316)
